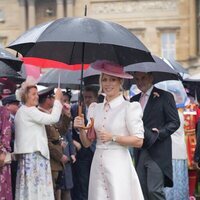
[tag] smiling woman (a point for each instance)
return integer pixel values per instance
(31, 144)
(118, 124)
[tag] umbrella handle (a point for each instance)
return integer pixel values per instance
(81, 115)
(90, 125)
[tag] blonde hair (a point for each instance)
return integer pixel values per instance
(24, 95)
(22, 92)
(100, 83)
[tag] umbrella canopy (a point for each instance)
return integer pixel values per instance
(82, 40)
(192, 84)
(68, 78)
(7, 72)
(160, 70)
(177, 67)
(177, 89)
(10, 59)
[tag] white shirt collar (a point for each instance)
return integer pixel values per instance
(115, 102)
(148, 92)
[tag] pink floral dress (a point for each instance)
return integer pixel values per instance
(5, 171)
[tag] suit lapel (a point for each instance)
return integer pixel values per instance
(150, 103)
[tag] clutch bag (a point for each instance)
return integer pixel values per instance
(91, 134)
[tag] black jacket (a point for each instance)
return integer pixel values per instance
(161, 113)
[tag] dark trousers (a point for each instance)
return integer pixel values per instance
(81, 174)
(151, 177)
(14, 165)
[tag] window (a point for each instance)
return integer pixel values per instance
(168, 44)
(2, 16)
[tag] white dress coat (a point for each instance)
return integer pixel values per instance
(113, 176)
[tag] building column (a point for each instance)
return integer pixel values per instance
(69, 8)
(31, 13)
(60, 9)
(192, 29)
(23, 22)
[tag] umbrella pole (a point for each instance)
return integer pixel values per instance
(81, 86)
(59, 79)
(82, 68)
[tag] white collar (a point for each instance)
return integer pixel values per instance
(115, 102)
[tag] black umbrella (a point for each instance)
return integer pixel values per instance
(161, 70)
(7, 72)
(66, 40)
(10, 59)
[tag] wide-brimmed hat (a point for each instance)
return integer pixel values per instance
(110, 68)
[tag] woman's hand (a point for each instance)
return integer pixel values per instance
(58, 94)
(79, 122)
(2, 159)
(105, 136)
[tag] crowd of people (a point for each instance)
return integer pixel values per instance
(48, 150)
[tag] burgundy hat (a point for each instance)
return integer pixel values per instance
(110, 68)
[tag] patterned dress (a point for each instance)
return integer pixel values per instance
(5, 171)
(34, 180)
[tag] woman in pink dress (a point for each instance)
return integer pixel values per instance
(5, 171)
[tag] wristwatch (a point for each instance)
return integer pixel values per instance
(114, 138)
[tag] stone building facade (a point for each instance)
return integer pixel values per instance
(169, 28)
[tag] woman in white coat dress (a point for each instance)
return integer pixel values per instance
(118, 125)
(34, 180)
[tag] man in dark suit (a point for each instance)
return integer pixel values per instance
(154, 160)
